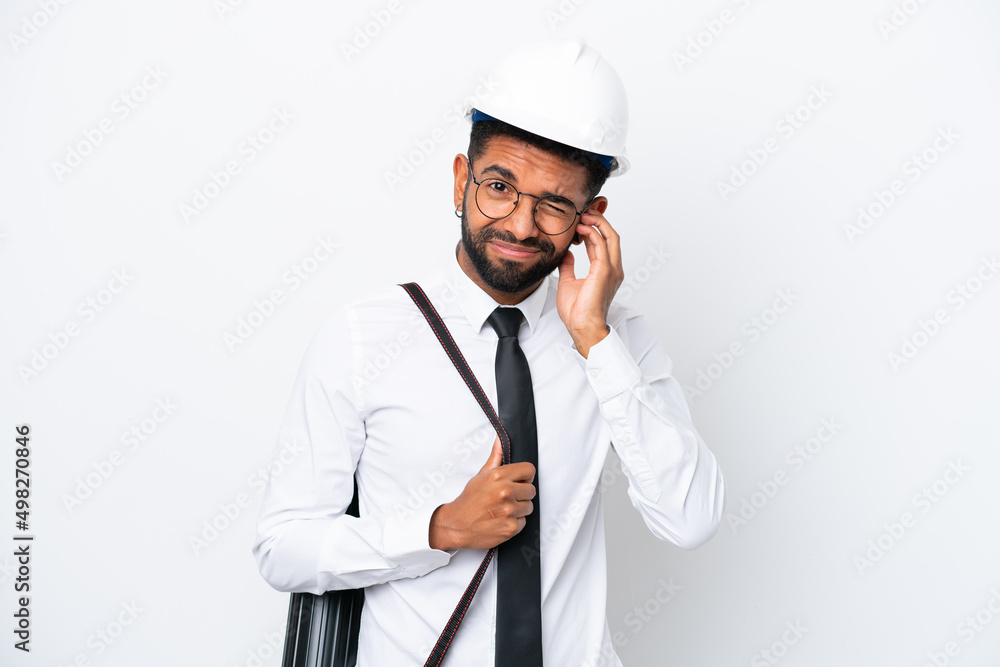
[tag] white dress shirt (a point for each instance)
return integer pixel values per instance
(377, 396)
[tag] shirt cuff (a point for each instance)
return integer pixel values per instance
(609, 366)
(406, 541)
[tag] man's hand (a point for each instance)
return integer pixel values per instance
(583, 303)
(491, 508)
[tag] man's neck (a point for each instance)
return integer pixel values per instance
(505, 298)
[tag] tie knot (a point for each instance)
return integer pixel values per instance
(505, 321)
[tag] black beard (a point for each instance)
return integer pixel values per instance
(508, 277)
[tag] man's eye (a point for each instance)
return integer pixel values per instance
(555, 206)
(500, 187)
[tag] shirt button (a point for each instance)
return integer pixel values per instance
(593, 373)
(626, 437)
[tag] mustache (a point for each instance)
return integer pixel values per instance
(544, 245)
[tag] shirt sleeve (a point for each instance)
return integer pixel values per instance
(674, 480)
(305, 540)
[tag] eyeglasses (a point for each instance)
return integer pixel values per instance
(552, 214)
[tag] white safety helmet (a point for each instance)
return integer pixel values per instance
(562, 90)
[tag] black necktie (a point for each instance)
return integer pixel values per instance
(519, 585)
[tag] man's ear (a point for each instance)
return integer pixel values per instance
(600, 205)
(460, 169)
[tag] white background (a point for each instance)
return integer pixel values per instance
(821, 551)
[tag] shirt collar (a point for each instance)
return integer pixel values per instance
(478, 305)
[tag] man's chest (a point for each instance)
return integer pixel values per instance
(426, 435)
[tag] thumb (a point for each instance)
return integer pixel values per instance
(496, 456)
(566, 267)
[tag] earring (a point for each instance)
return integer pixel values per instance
(458, 212)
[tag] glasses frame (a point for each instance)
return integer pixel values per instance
(517, 201)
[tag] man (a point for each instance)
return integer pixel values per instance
(377, 399)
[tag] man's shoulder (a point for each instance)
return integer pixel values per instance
(385, 296)
(388, 302)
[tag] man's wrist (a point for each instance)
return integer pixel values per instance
(437, 533)
(584, 340)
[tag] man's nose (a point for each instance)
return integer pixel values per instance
(521, 223)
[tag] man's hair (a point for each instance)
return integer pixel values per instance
(484, 130)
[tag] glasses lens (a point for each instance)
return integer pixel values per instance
(554, 215)
(496, 198)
